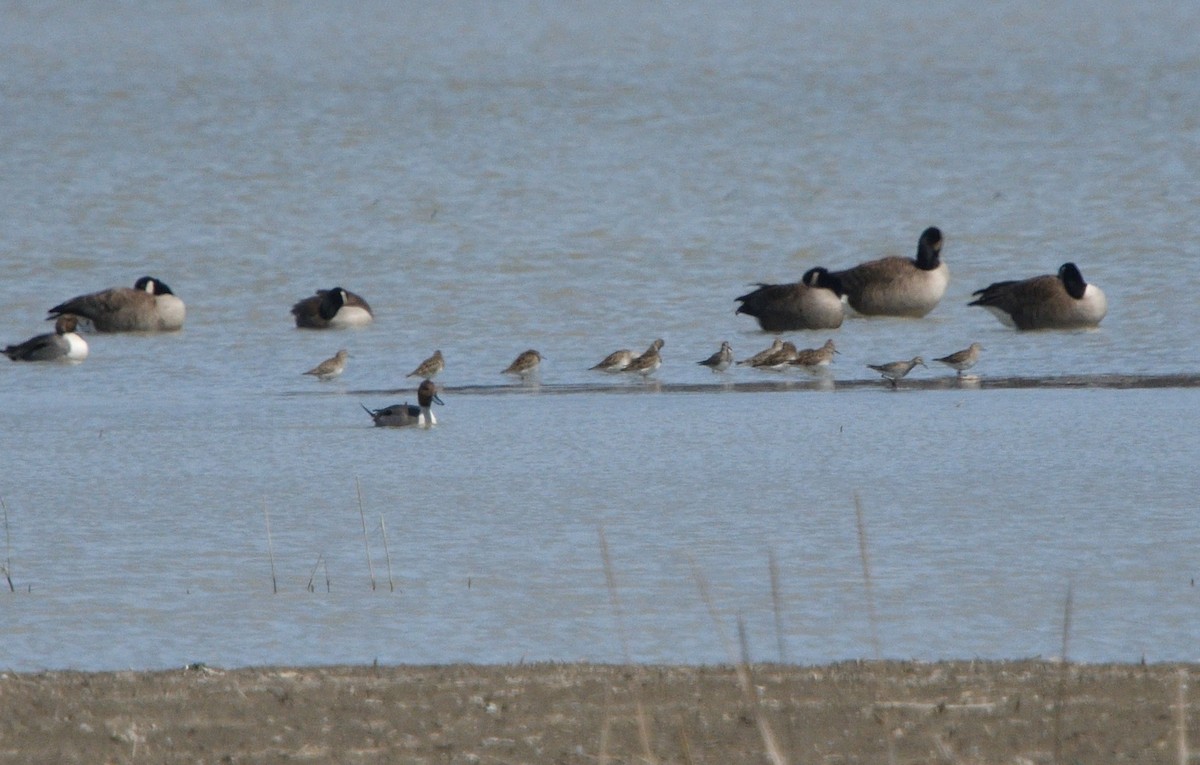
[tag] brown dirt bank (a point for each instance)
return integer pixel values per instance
(954, 712)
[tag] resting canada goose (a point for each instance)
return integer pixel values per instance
(962, 360)
(1062, 301)
(649, 361)
(148, 306)
(814, 302)
(894, 370)
(525, 364)
(615, 361)
(897, 286)
(331, 367)
(430, 366)
(63, 344)
(719, 361)
(402, 415)
(332, 309)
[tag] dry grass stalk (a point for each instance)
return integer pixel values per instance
(777, 604)
(1064, 667)
(1182, 754)
(270, 550)
(865, 558)
(7, 549)
(313, 575)
(610, 581)
(387, 554)
(742, 669)
(366, 543)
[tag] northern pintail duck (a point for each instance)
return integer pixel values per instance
(811, 358)
(525, 364)
(779, 358)
(148, 306)
(962, 360)
(649, 361)
(402, 415)
(721, 359)
(753, 361)
(336, 308)
(330, 367)
(898, 286)
(1062, 301)
(430, 367)
(894, 370)
(615, 361)
(814, 302)
(63, 344)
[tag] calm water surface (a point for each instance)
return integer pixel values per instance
(495, 178)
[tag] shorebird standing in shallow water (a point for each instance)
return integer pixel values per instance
(779, 358)
(895, 370)
(429, 367)
(524, 364)
(719, 361)
(812, 358)
(615, 361)
(404, 415)
(962, 360)
(649, 361)
(754, 360)
(330, 367)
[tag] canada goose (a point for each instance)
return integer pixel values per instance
(63, 344)
(429, 367)
(962, 360)
(814, 302)
(525, 364)
(897, 286)
(893, 371)
(332, 309)
(719, 361)
(615, 361)
(148, 306)
(1062, 301)
(649, 361)
(815, 357)
(402, 415)
(331, 367)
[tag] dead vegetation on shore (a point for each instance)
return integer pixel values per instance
(1024, 712)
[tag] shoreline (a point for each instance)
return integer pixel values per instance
(1024, 711)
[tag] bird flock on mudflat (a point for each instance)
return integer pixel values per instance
(890, 286)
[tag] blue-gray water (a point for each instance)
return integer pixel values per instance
(578, 179)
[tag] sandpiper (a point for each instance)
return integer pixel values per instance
(149, 306)
(719, 361)
(1062, 301)
(893, 371)
(897, 286)
(778, 359)
(402, 415)
(429, 367)
(524, 364)
(754, 360)
(962, 360)
(330, 367)
(615, 361)
(811, 358)
(63, 344)
(649, 361)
